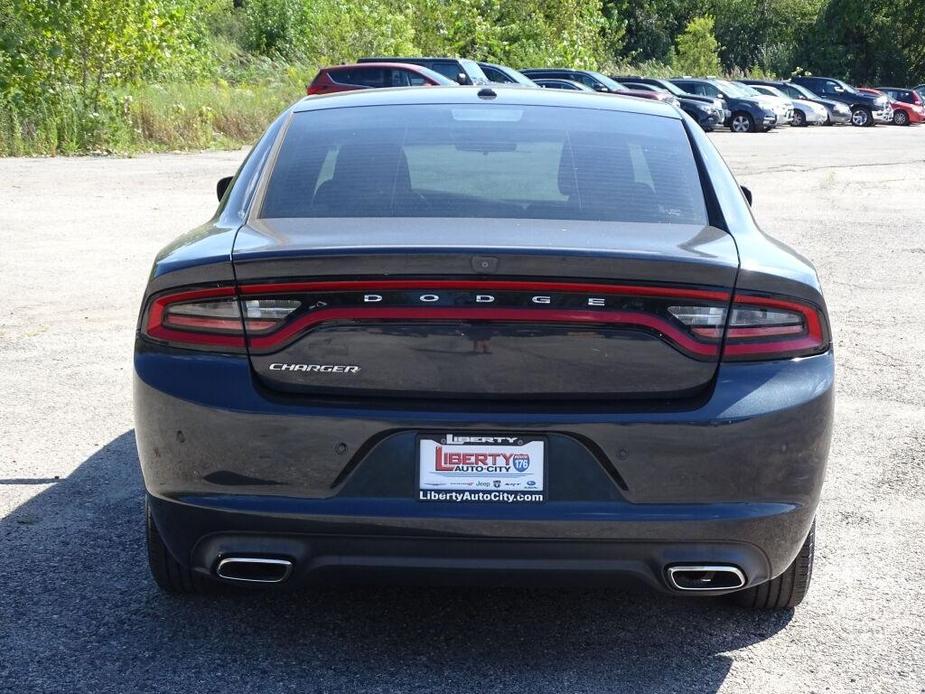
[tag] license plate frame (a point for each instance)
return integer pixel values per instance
(481, 468)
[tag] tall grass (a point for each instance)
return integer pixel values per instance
(156, 117)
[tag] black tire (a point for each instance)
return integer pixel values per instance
(788, 589)
(799, 120)
(741, 122)
(167, 572)
(900, 118)
(861, 117)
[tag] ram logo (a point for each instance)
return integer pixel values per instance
(316, 368)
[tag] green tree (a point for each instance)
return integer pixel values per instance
(652, 25)
(696, 50)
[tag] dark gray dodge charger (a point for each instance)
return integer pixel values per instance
(505, 335)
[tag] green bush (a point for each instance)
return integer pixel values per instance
(696, 50)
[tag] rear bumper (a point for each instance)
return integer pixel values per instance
(232, 470)
(370, 543)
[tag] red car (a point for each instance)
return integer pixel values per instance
(908, 106)
(344, 78)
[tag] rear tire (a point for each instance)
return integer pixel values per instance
(788, 589)
(742, 122)
(900, 118)
(166, 571)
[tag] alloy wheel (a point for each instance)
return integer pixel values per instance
(741, 123)
(859, 117)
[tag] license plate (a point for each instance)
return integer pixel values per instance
(485, 469)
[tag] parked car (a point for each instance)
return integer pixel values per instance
(569, 85)
(747, 114)
(908, 105)
(345, 78)
(920, 90)
(597, 82)
(589, 78)
(804, 112)
(460, 70)
(711, 107)
(866, 109)
(638, 382)
(838, 113)
(707, 116)
(502, 74)
(781, 104)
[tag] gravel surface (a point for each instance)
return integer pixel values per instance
(79, 613)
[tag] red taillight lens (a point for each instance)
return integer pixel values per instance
(213, 317)
(758, 327)
(773, 328)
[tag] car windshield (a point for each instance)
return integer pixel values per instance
(733, 89)
(749, 89)
(485, 161)
(672, 88)
(803, 90)
(517, 76)
(606, 81)
(848, 88)
(774, 91)
(474, 71)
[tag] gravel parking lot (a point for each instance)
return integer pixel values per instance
(79, 613)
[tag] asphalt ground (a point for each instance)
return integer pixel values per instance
(78, 611)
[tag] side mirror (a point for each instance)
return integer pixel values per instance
(838, 90)
(747, 193)
(600, 88)
(222, 186)
(462, 78)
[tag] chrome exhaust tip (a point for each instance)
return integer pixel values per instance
(705, 577)
(253, 569)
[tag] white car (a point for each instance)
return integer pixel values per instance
(804, 112)
(780, 104)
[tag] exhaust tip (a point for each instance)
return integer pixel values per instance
(253, 569)
(705, 577)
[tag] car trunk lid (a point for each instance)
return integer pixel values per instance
(521, 309)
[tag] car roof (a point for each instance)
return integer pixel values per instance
(405, 59)
(403, 66)
(513, 96)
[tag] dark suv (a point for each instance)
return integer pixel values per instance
(747, 114)
(866, 109)
(460, 70)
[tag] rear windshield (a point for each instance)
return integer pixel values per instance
(485, 161)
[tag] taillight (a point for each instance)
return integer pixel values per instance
(213, 317)
(763, 327)
(758, 327)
